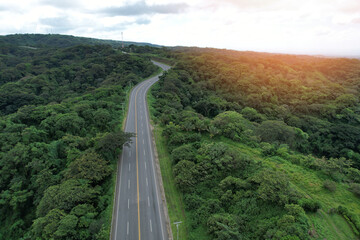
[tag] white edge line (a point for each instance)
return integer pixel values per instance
(122, 157)
(118, 200)
(152, 160)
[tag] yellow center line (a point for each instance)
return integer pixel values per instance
(137, 165)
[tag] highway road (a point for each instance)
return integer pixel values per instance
(138, 208)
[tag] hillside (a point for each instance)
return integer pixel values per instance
(251, 145)
(61, 41)
(260, 146)
(61, 111)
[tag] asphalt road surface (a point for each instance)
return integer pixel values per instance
(138, 209)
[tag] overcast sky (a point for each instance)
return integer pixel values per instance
(328, 27)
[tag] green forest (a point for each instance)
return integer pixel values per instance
(61, 112)
(251, 145)
(262, 146)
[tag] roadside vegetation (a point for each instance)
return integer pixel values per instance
(251, 145)
(261, 146)
(61, 134)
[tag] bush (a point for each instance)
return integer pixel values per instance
(354, 219)
(355, 188)
(184, 152)
(309, 205)
(330, 185)
(354, 175)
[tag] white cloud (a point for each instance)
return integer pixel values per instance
(307, 26)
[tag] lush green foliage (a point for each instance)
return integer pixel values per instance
(60, 137)
(61, 41)
(274, 107)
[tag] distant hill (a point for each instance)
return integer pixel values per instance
(57, 40)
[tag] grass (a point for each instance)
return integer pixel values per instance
(325, 225)
(173, 196)
(306, 181)
(310, 183)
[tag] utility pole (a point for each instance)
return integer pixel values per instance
(177, 229)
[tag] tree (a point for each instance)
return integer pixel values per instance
(273, 186)
(185, 175)
(223, 226)
(252, 115)
(46, 226)
(65, 196)
(102, 118)
(109, 144)
(278, 132)
(233, 125)
(184, 152)
(89, 166)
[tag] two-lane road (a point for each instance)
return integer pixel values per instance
(138, 209)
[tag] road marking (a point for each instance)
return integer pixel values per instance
(129, 167)
(137, 168)
(148, 201)
(128, 203)
(133, 97)
(150, 226)
(143, 142)
(127, 228)
(118, 196)
(147, 183)
(153, 170)
(130, 154)
(129, 184)
(144, 152)
(145, 165)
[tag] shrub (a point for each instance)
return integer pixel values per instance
(330, 185)
(309, 205)
(355, 188)
(184, 152)
(354, 175)
(354, 219)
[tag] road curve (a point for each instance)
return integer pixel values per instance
(138, 210)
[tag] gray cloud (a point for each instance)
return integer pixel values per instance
(9, 7)
(64, 24)
(142, 21)
(142, 8)
(57, 24)
(124, 25)
(63, 4)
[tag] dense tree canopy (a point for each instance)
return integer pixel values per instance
(60, 121)
(232, 119)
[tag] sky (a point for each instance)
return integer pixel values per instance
(324, 27)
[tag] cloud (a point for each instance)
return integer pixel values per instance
(125, 24)
(63, 4)
(58, 24)
(356, 20)
(142, 8)
(8, 7)
(350, 6)
(142, 21)
(243, 4)
(66, 24)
